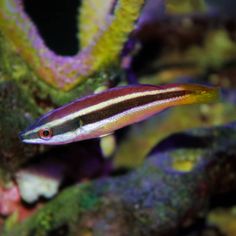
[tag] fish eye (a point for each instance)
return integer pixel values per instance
(45, 133)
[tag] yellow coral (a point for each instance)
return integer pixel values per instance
(92, 17)
(225, 219)
(185, 6)
(110, 42)
(185, 161)
(102, 45)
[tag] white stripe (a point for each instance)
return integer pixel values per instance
(100, 106)
(87, 129)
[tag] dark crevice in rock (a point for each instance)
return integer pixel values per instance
(56, 22)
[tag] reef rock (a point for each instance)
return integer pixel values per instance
(162, 197)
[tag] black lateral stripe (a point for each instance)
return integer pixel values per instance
(114, 109)
(126, 105)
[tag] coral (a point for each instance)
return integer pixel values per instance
(185, 6)
(168, 178)
(154, 199)
(9, 198)
(76, 162)
(225, 219)
(217, 49)
(135, 146)
(92, 18)
(33, 184)
(66, 72)
(185, 46)
(11, 205)
(16, 110)
(78, 201)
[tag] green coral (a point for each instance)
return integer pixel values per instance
(185, 6)
(217, 49)
(65, 209)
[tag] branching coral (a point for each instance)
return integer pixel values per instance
(92, 17)
(65, 72)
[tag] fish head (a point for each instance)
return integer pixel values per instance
(50, 130)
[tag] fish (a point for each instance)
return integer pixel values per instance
(100, 114)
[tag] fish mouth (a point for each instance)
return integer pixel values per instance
(29, 141)
(24, 140)
(21, 136)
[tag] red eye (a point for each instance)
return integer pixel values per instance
(45, 134)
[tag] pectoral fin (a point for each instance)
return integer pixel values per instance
(108, 144)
